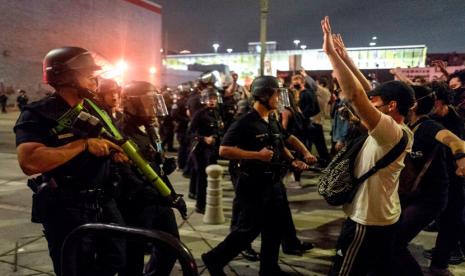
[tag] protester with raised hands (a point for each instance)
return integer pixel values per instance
(365, 243)
(342, 52)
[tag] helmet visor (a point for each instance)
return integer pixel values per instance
(150, 105)
(283, 99)
(84, 62)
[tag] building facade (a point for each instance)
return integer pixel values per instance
(247, 64)
(116, 30)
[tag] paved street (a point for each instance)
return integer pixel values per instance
(23, 250)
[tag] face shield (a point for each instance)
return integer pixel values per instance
(160, 106)
(283, 99)
(88, 65)
(147, 106)
(88, 68)
(209, 97)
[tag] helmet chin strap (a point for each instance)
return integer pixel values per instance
(265, 104)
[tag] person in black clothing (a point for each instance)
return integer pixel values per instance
(22, 99)
(256, 140)
(193, 105)
(308, 103)
(76, 173)
(206, 130)
(457, 84)
(141, 205)
(3, 97)
(428, 200)
(451, 221)
(167, 123)
(179, 114)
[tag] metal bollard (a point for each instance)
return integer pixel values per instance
(214, 207)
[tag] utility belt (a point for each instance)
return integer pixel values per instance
(259, 168)
(53, 194)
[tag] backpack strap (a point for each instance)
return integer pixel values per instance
(390, 157)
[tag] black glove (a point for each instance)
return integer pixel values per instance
(177, 202)
(169, 165)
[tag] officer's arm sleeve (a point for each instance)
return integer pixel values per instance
(194, 127)
(30, 128)
(232, 135)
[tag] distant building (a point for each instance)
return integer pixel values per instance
(247, 64)
(256, 48)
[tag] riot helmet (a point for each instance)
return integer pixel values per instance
(284, 100)
(141, 100)
(209, 96)
(63, 66)
(263, 88)
(211, 78)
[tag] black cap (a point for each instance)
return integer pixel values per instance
(397, 91)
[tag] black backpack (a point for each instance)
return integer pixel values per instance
(338, 184)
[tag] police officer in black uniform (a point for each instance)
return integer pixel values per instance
(140, 203)
(179, 114)
(206, 129)
(258, 142)
(75, 172)
(167, 122)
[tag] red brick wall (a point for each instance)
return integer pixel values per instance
(112, 28)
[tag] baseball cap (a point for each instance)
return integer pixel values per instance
(397, 91)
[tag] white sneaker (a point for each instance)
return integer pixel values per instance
(288, 178)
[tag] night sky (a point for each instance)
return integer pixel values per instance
(196, 24)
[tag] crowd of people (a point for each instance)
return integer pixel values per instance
(266, 131)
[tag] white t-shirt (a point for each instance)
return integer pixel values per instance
(377, 200)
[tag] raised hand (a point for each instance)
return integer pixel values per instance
(339, 45)
(328, 44)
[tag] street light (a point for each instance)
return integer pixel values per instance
(374, 38)
(215, 47)
(372, 43)
(229, 50)
(303, 46)
(296, 43)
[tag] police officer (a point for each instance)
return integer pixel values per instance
(74, 171)
(206, 129)
(167, 122)
(179, 114)
(257, 141)
(108, 96)
(22, 99)
(140, 204)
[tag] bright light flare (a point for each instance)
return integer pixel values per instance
(115, 71)
(121, 66)
(152, 70)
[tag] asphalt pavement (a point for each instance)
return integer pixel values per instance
(23, 249)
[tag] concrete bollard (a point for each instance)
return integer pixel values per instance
(214, 207)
